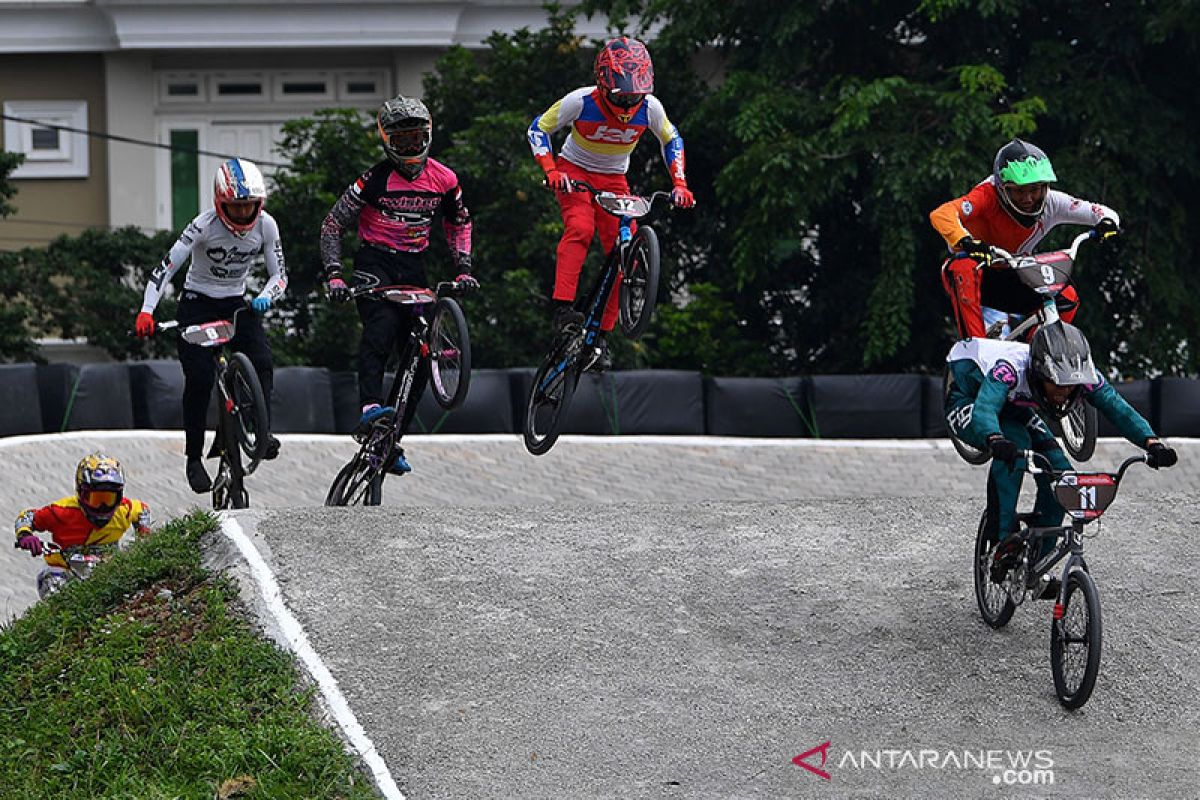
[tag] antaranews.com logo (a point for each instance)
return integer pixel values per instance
(1005, 767)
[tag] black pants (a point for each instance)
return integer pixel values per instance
(386, 326)
(199, 368)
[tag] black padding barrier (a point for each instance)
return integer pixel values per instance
(20, 411)
(346, 408)
(1140, 395)
(488, 407)
(758, 407)
(302, 401)
(56, 382)
(101, 399)
(157, 388)
(867, 406)
(638, 402)
(933, 407)
(1178, 407)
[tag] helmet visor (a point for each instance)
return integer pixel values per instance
(1028, 170)
(408, 142)
(100, 499)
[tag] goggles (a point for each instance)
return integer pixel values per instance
(625, 99)
(100, 498)
(408, 142)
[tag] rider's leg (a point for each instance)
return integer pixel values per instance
(579, 227)
(960, 279)
(1049, 512)
(251, 340)
(1004, 484)
(380, 322)
(1068, 304)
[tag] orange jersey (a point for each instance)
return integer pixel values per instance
(67, 525)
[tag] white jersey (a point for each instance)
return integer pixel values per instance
(220, 260)
(1002, 360)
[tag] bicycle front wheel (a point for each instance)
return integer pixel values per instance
(639, 287)
(549, 398)
(248, 409)
(449, 354)
(1075, 641)
(1079, 431)
(995, 606)
(358, 483)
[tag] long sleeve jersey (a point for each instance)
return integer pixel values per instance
(395, 213)
(220, 260)
(979, 213)
(601, 141)
(994, 371)
(65, 521)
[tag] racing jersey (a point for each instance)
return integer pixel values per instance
(220, 260)
(993, 372)
(395, 213)
(65, 521)
(601, 141)
(979, 213)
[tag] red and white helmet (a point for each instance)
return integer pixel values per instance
(624, 71)
(239, 193)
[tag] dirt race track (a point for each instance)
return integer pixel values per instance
(683, 618)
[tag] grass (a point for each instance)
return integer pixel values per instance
(146, 682)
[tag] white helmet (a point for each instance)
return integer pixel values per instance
(239, 193)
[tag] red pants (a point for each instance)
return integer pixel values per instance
(582, 220)
(971, 288)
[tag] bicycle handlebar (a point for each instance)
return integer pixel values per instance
(1031, 456)
(1000, 254)
(578, 185)
(442, 289)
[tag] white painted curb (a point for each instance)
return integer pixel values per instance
(298, 643)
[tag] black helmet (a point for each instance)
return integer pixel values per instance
(1060, 354)
(407, 131)
(1021, 163)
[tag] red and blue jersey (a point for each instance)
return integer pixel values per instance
(601, 139)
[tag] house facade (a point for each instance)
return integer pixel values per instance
(198, 75)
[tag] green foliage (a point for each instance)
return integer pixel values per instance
(8, 163)
(142, 682)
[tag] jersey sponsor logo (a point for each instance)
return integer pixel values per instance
(604, 133)
(1006, 373)
(959, 419)
(159, 275)
(967, 208)
(231, 255)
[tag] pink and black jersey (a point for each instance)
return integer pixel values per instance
(394, 213)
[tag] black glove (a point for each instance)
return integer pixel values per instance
(1159, 455)
(467, 282)
(980, 251)
(1106, 228)
(338, 291)
(1003, 450)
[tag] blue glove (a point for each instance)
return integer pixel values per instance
(260, 304)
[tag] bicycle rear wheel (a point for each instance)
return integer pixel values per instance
(995, 606)
(248, 414)
(639, 287)
(1079, 431)
(357, 483)
(449, 354)
(1075, 641)
(549, 398)
(969, 452)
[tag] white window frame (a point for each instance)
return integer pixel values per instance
(217, 78)
(70, 160)
(344, 79)
(278, 79)
(165, 79)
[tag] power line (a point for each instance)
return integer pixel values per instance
(128, 140)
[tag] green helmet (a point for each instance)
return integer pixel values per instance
(1021, 163)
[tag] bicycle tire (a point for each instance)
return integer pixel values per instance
(995, 606)
(639, 286)
(1079, 429)
(249, 412)
(968, 452)
(540, 433)
(1080, 591)
(355, 484)
(449, 354)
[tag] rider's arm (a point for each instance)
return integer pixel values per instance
(180, 252)
(668, 136)
(273, 254)
(343, 215)
(1132, 425)
(456, 222)
(140, 518)
(991, 397)
(555, 118)
(948, 218)
(1063, 208)
(25, 523)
